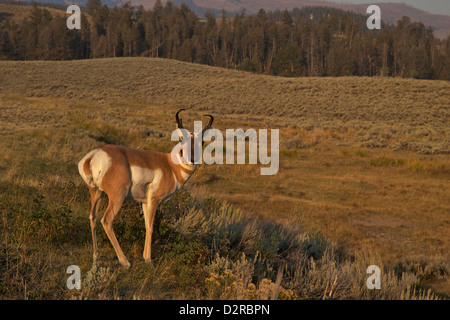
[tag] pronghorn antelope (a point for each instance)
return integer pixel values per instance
(149, 177)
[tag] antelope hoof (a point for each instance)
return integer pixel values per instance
(125, 264)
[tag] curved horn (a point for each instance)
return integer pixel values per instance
(208, 126)
(179, 121)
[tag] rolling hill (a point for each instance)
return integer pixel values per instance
(362, 181)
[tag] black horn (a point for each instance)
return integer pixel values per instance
(179, 121)
(208, 126)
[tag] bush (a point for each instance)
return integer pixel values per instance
(260, 259)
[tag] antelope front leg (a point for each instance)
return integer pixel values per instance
(149, 217)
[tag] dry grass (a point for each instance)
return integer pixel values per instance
(363, 162)
(382, 112)
(19, 12)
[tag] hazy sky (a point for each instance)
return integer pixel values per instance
(433, 6)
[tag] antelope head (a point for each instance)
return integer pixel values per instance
(191, 143)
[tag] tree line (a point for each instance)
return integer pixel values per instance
(312, 41)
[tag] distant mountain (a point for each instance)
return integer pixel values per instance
(66, 3)
(390, 12)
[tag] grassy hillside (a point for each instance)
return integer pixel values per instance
(19, 12)
(402, 114)
(364, 179)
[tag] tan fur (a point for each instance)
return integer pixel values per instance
(117, 182)
(122, 173)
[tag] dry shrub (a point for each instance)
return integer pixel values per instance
(277, 261)
(305, 138)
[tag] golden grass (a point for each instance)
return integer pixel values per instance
(375, 112)
(19, 12)
(363, 161)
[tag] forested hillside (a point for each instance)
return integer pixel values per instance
(312, 41)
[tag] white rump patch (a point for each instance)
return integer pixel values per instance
(100, 164)
(86, 177)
